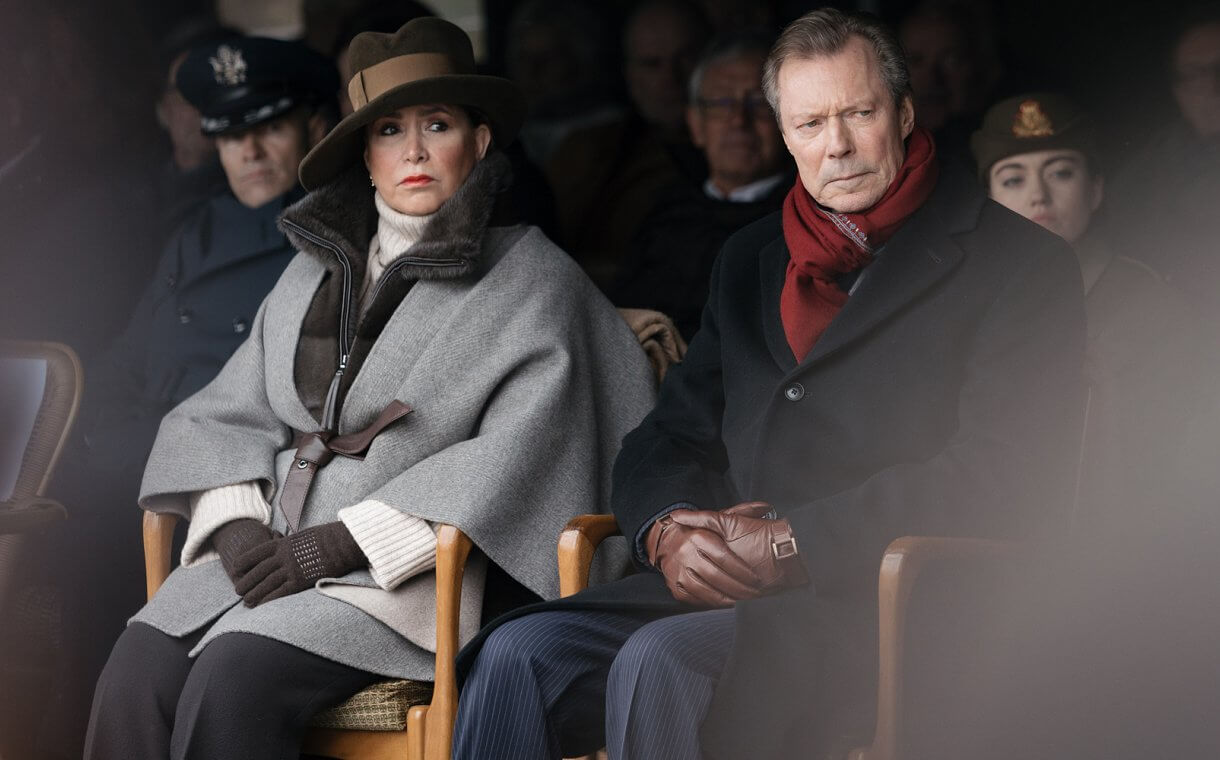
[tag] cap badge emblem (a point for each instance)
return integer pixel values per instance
(1032, 121)
(228, 66)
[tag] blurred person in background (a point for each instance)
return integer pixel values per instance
(263, 103)
(1102, 644)
(749, 173)
(728, 17)
(952, 54)
(192, 174)
(1037, 155)
(557, 53)
(1165, 198)
(609, 177)
(662, 40)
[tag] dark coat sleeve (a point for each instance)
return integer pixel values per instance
(677, 452)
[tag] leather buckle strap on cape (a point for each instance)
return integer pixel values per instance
(314, 450)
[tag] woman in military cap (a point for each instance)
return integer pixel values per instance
(1037, 155)
(414, 365)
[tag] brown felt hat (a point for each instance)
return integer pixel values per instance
(1032, 122)
(428, 60)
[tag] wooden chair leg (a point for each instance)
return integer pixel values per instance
(417, 717)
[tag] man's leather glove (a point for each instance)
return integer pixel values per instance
(233, 539)
(767, 546)
(289, 564)
(698, 565)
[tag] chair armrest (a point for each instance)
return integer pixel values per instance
(577, 544)
(158, 540)
(29, 515)
(452, 549)
(904, 561)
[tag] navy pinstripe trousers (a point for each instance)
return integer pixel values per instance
(559, 684)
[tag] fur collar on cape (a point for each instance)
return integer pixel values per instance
(342, 214)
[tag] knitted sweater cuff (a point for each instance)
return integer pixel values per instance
(213, 508)
(398, 545)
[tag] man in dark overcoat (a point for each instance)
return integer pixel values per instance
(892, 354)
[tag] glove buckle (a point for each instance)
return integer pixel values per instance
(784, 548)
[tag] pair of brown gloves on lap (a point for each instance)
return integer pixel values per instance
(265, 565)
(715, 558)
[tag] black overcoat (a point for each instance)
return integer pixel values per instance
(944, 399)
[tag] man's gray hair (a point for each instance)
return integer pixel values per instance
(827, 31)
(740, 45)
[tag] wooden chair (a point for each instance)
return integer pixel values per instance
(904, 562)
(43, 384)
(391, 720)
(40, 390)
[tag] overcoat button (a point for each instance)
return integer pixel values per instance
(794, 392)
(240, 325)
(185, 316)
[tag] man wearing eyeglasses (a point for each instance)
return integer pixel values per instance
(730, 121)
(749, 172)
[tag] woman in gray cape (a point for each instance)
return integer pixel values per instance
(413, 365)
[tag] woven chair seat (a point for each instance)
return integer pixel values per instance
(381, 707)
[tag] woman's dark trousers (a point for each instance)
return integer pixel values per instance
(244, 696)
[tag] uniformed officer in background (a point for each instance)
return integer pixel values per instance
(265, 103)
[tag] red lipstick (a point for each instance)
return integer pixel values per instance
(416, 180)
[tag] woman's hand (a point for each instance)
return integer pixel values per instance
(235, 538)
(290, 564)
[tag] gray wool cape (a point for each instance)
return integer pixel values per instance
(523, 380)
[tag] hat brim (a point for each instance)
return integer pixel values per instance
(500, 100)
(989, 149)
(246, 113)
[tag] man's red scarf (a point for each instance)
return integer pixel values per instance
(824, 244)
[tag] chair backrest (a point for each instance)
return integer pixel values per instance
(40, 390)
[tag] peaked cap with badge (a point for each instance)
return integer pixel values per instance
(243, 81)
(428, 60)
(1032, 122)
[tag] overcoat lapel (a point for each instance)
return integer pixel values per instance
(772, 269)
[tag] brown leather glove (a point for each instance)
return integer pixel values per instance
(698, 565)
(766, 545)
(289, 564)
(233, 539)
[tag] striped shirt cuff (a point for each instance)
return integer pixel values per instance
(398, 545)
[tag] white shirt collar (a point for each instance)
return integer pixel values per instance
(756, 190)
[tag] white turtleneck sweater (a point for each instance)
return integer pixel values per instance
(397, 545)
(396, 233)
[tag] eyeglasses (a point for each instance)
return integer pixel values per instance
(753, 105)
